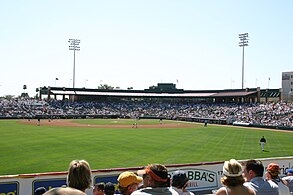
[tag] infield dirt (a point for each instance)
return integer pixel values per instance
(70, 123)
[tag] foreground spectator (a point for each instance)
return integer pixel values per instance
(253, 171)
(79, 175)
(157, 181)
(128, 182)
(233, 180)
(180, 182)
(64, 191)
(288, 180)
(273, 171)
(109, 189)
(98, 189)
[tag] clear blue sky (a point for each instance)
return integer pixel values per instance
(139, 43)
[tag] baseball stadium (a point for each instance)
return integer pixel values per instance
(126, 130)
(146, 97)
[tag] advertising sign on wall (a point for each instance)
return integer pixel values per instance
(9, 188)
(48, 183)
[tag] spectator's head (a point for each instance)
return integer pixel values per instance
(109, 189)
(232, 173)
(289, 172)
(274, 170)
(79, 175)
(252, 169)
(179, 179)
(40, 191)
(155, 175)
(64, 191)
(128, 182)
(99, 189)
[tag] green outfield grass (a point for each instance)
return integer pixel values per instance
(34, 149)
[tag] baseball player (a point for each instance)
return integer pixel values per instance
(262, 142)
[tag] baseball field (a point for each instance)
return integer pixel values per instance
(113, 143)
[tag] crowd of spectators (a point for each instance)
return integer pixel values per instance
(269, 114)
(246, 178)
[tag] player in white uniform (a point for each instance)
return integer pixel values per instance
(262, 142)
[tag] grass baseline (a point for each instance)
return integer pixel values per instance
(32, 149)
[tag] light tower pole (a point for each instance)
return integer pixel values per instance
(74, 45)
(243, 42)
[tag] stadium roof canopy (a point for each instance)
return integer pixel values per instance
(164, 91)
(162, 94)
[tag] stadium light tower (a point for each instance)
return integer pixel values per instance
(243, 42)
(74, 45)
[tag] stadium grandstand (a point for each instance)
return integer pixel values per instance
(163, 92)
(248, 107)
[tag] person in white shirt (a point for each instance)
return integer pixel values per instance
(288, 180)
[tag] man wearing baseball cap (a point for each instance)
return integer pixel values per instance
(128, 182)
(288, 180)
(155, 181)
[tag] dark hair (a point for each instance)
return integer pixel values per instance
(100, 186)
(109, 188)
(162, 172)
(179, 179)
(256, 166)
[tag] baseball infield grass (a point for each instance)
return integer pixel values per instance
(34, 149)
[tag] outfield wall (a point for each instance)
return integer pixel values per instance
(203, 177)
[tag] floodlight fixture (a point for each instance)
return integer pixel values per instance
(243, 43)
(74, 45)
